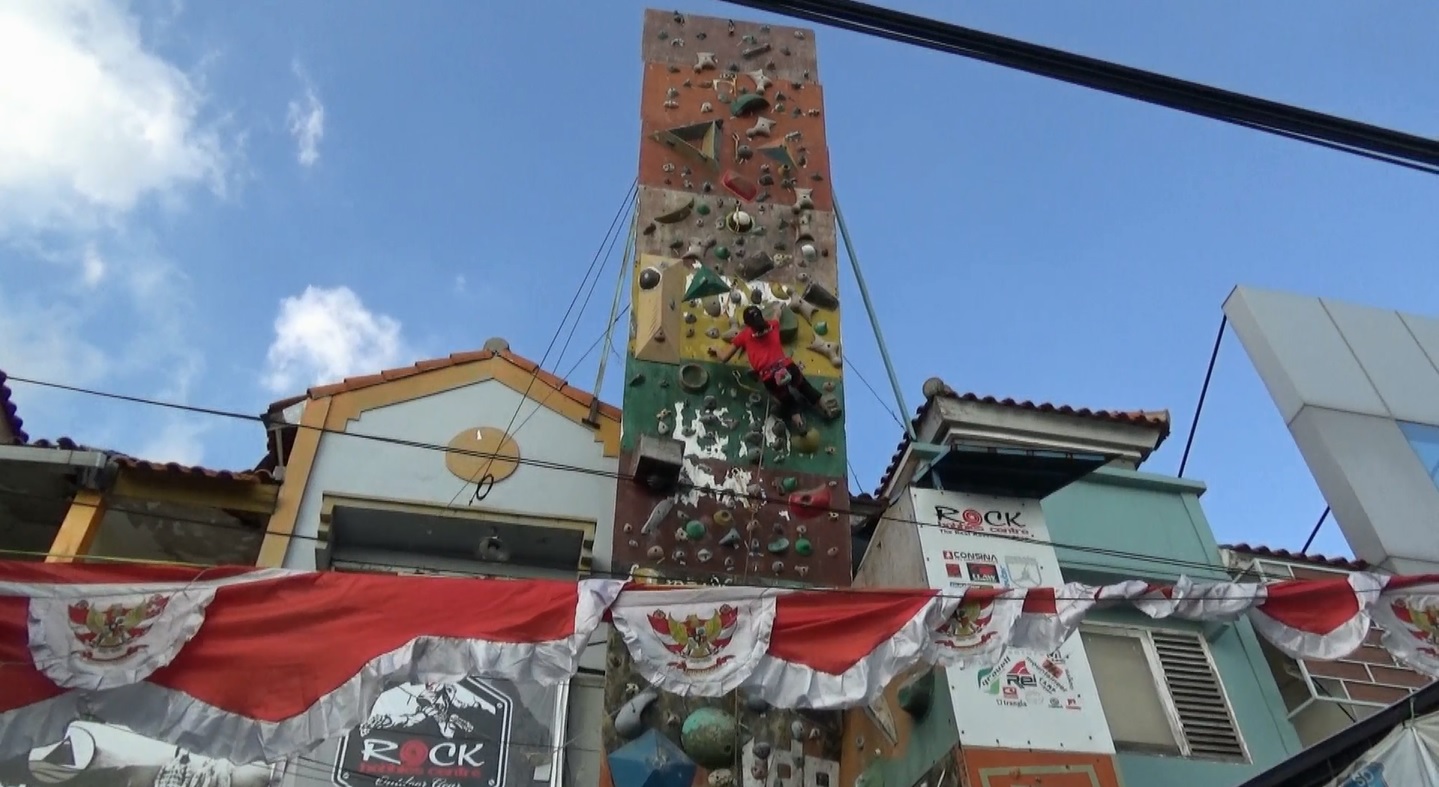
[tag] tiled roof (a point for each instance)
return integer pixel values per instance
(9, 415)
(1285, 555)
(66, 444)
(455, 359)
(1151, 418)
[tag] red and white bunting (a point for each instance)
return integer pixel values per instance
(256, 665)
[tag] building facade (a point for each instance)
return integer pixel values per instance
(1004, 493)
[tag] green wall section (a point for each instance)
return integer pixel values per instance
(730, 413)
(1158, 516)
(933, 737)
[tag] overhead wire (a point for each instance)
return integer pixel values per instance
(1332, 132)
(484, 471)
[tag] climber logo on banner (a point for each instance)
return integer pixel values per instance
(430, 735)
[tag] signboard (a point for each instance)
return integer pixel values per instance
(430, 735)
(475, 733)
(103, 755)
(1047, 700)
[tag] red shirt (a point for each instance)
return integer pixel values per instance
(765, 352)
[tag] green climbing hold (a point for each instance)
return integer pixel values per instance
(789, 483)
(709, 736)
(704, 283)
(702, 209)
(721, 253)
(915, 695)
(803, 547)
(694, 530)
(779, 545)
(747, 103)
(821, 328)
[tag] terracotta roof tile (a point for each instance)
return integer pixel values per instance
(172, 468)
(1150, 418)
(1288, 556)
(455, 359)
(9, 414)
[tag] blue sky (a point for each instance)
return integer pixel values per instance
(220, 203)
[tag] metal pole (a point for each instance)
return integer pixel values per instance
(873, 320)
(593, 418)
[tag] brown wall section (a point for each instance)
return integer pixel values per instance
(677, 39)
(1020, 768)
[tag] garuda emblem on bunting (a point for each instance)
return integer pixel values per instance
(699, 642)
(1420, 615)
(107, 641)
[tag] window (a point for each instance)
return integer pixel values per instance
(1180, 711)
(1424, 439)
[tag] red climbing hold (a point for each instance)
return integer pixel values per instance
(740, 186)
(809, 503)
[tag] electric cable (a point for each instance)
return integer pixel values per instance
(1335, 133)
(618, 476)
(630, 194)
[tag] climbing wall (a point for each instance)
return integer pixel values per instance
(734, 208)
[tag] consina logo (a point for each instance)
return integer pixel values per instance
(976, 520)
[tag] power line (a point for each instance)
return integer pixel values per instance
(484, 471)
(1335, 133)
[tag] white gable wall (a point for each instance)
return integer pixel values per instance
(373, 468)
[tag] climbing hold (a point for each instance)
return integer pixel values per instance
(777, 567)
(761, 128)
(832, 551)
(829, 350)
(810, 503)
(732, 538)
(694, 530)
(739, 221)
(803, 200)
(714, 307)
(695, 251)
(740, 186)
(820, 296)
(829, 405)
(629, 721)
(705, 61)
(704, 282)
(638, 379)
(781, 153)
(755, 266)
(821, 328)
(778, 546)
(698, 141)
(808, 252)
(915, 695)
(704, 555)
(788, 325)
(693, 377)
(803, 547)
(651, 760)
(756, 296)
(807, 443)
(679, 556)
(655, 552)
(748, 103)
(761, 81)
(678, 214)
(657, 514)
(709, 736)
(796, 729)
(721, 253)
(720, 777)
(723, 518)
(762, 749)
(649, 279)
(805, 308)
(788, 484)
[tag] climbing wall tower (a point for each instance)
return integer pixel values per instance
(734, 208)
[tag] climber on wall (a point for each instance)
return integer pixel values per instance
(781, 376)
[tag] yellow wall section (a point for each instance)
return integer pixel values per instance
(694, 343)
(656, 311)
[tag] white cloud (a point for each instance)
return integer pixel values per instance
(306, 119)
(94, 122)
(323, 335)
(178, 441)
(461, 285)
(92, 267)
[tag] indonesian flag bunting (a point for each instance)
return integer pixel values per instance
(1408, 612)
(256, 665)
